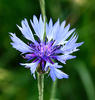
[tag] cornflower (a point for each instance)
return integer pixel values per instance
(52, 44)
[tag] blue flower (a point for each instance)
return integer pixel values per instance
(53, 43)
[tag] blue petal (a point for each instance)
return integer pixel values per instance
(65, 30)
(59, 74)
(35, 25)
(52, 75)
(26, 31)
(71, 45)
(55, 29)
(51, 30)
(68, 34)
(50, 23)
(63, 33)
(32, 67)
(41, 27)
(47, 65)
(19, 45)
(55, 65)
(62, 25)
(56, 73)
(59, 35)
(38, 26)
(63, 58)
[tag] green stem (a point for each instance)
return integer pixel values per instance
(40, 85)
(42, 6)
(53, 92)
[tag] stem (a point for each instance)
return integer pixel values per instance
(53, 92)
(40, 85)
(42, 6)
(41, 76)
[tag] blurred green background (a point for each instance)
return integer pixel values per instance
(16, 82)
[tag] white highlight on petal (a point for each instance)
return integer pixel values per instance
(19, 44)
(26, 31)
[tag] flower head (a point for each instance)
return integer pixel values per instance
(51, 45)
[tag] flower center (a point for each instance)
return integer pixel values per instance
(44, 51)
